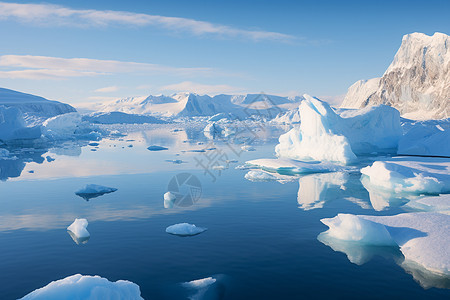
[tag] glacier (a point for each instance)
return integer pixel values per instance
(326, 136)
(416, 83)
(86, 287)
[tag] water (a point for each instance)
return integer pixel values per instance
(261, 241)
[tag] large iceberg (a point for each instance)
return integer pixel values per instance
(86, 287)
(325, 135)
(423, 238)
(13, 127)
(418, 175)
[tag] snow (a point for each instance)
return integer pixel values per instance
(13, 127)
(169, 199)
(79, 228)
(425, 140)
(157, 148)
(86, 287)
(324, 135)
(423, 238)
(94, 190)
(416, 83)
(419, 175)
(117, 117)
(292, 166)
(185, 229)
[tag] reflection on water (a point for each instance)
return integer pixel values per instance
(78, 240)
(382, 200)
(360, 254)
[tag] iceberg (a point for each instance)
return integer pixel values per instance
(185, 229)
(94, 190)
(425, 140)
(13, 127)
(169, 199)
(292, 166)
(326, 136)
(68, 126)
(423, 238)
(260, 176)
(418, 175)
(86, 287)
(78, 231)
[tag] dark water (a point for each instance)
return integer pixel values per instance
(261, 241)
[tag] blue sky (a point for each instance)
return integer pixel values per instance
(90, 51)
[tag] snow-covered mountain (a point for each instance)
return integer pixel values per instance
(33, 105)
(190, 104)
(417, 82)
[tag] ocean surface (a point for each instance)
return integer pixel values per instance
(262, 238)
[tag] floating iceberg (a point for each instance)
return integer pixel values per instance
(94, 190)
(78, 231)
(419, 175)
(156, 148)
(86, 287)
(185, 229)
(13, 127)
(169, 199)
(423, 238)
(425, 141)
(324, 135)
(292, 166)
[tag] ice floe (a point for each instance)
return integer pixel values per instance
(78, 231)
(292, 166)
(185, 229)
(86, 287)
(94, 190)
(423, 238)
(324, 135)
(419, 175)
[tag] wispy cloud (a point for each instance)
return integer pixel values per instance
(108, 89)
(45, 67)
(48, 14)
(188, 86)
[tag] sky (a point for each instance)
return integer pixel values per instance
(83, 51)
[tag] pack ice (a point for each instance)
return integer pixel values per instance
(86, 287)
(423, 238)
(327, 136)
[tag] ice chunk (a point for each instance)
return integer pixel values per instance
(292, 166)
(94, 190)
(13, 127)
(157, 148)
(325, 135)
(78, 230)
(169, 199)
(423, 238)
(420, 175)
(185, 229)
(86, 287)
(426, 141)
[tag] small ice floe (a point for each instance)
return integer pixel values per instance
(94, 190)
(185, 229)
(418, 175)
(423, 238)
(219, 167)
(156, 148)
(169, 199)
(78, 231)
(286, 165)
(86, 287)
(248, 148)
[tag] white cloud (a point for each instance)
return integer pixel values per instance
(188, 86)
(108, 89)
(48, 14)
(44, 67)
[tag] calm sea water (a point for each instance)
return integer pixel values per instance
(261, 241)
